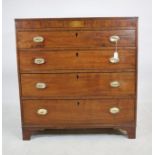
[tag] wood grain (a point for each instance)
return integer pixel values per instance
(77, 85)
(78, 73)
(98, 22)
(78, 112)
(76, 60)
(76, 39)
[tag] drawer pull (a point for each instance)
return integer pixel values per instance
(40, 85)
(114, 60)
(42, 111)
(114, 38)
(114, 110)
(115, 84)
(39, 61)
(38, 39)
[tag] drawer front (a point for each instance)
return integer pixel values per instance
(63, 113)
(78, 85)
(75, 60)
(76, 23)
(75, 39)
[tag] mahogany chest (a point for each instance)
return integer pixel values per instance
(77, 73)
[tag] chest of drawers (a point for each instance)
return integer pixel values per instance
(77, 73)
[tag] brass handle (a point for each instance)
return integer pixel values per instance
(39, 61)
(115, 84)
(114, 60)
(114, 110)
(114, 38)
(40, 85)
(42, 111)
(38, 39)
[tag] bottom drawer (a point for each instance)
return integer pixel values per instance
(84, 113)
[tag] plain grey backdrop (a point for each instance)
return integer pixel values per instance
(75, 144)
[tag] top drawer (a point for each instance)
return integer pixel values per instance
(74, 39)
(75, 23)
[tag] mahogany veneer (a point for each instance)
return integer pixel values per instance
(67, 77)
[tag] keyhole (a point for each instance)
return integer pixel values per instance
(76, 34)
(103, 45)
(78, 103)
(77, 54)
(77, 76)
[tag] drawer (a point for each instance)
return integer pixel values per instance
(48, 61)
(69, 113)
(74, 39)
(80, 85)
(76, 23)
